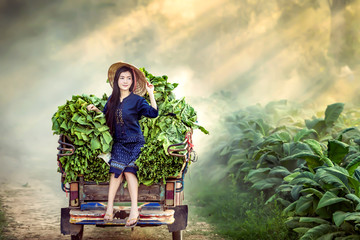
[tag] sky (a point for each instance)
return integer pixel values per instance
(224, 55)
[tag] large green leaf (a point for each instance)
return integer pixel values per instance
(279, 171)
(256, 175)
(312, 191)
(306, 178)
(301, 230)
(315, 146)
(340, 137)
(334, 177)
(293, 148)
(332, 113)
(295, 191)
(290, 208)
(332, 235)
(304, 205)
(314, 220)
(353, 198)
(330, 198)
(318, 231)
(266, 183)
(317, 124)
(290, 177)
(276, 138)
(339, 217)
(354, 216)
(353, 165)
(337, 150)
(95, 143)
(314, 160)
(303, 133)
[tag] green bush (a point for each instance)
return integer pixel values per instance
(239, 214)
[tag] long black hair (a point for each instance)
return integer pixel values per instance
(114, 100)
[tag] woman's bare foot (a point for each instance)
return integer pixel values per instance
(133, 218)
(109, 215)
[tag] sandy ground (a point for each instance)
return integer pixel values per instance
(33, 210)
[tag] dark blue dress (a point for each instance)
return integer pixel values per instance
(128, 138)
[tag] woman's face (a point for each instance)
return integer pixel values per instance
(125, 81)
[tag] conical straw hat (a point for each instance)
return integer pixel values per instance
(140, 79)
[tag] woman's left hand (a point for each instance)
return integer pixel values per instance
(150, 88)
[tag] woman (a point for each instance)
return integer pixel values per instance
(123, 110)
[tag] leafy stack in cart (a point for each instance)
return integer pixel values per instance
(89, 134)
(176, 117)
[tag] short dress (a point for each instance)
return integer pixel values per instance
(128, 137)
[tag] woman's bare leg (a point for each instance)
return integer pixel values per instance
(133, 190)
(113, 187)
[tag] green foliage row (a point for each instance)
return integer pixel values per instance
(309, 167)
(238, 213)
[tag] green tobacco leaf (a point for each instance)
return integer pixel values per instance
(337, 150)
(301, 230)
(339, 138)
(256, 175)
(318, 231)
(333, 235)
(303, 205)
(315, 146)
(317, 124)
(279, 171)
(354, 216)
(332, 113)
(290, 177)
(351, 167)
(313, 220)
(303, 133)
(330, 198)
(306, 178)
(353, 198)
(95, 143)
(312, 160)
(339, 217)
(107, 137)
(335, 177)
(290, 208)
(266, 183)
(328, 162)
(312, 191)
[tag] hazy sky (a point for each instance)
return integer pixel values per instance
(51, 50)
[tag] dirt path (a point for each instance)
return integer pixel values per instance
(33, 211)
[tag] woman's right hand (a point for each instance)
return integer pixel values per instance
(91, 107)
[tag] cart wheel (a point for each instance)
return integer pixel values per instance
(78, 236)
(177, 235)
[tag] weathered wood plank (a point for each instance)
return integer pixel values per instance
(94, 192)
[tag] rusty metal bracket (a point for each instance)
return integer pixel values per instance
(176, 152)
(65, 146)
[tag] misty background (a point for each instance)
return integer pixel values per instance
(224, 54)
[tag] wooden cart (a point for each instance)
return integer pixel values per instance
(159, 204)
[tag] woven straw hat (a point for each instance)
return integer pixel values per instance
(140, 80)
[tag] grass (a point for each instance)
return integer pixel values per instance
(239, 214)
(3, 221)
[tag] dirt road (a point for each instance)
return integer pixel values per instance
(33, 210)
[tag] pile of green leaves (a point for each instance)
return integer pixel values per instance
(88, 132)
(175, 119)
